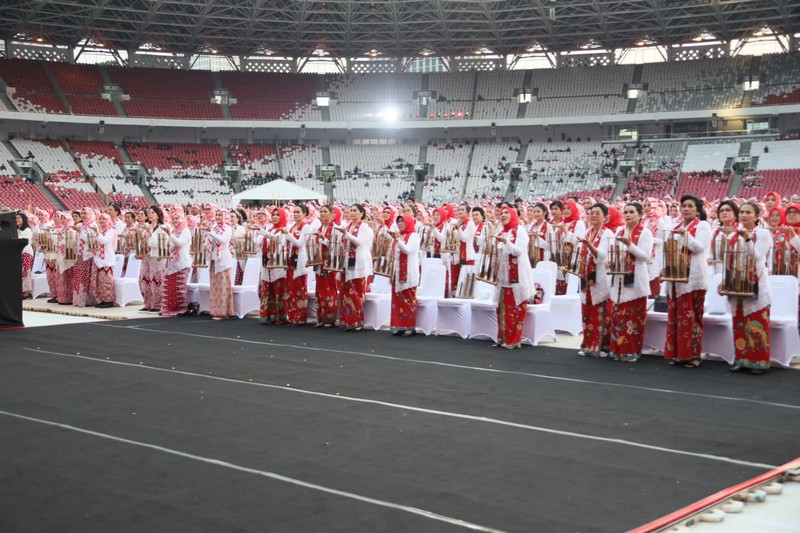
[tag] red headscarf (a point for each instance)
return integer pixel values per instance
(796, 207)
(442, 215)
(574, 214)
(281, 218)
(513, 220)
(781, 211)
(410, 223)
(337, 215)
(614, 219)
(450, 210)
(776, 195)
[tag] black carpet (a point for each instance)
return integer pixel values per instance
(536, 439)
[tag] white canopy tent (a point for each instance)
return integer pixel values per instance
(276, 191)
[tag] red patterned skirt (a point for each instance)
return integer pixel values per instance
(296, 298)
(596, 324)
(404, 309)
(684, 326)
(150, 278)
(655, 287)
(510, 319)
(220, 303)
(327, 297)
(51, 272)
(27, 266)
(351, 303)
(102, 283)
(81, 284)
(65, 286)
(273, 306)
(751, 338)
(174, 294)
(627, 327)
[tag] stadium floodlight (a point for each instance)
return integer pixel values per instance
(633, 93)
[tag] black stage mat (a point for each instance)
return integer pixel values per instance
(536, 439)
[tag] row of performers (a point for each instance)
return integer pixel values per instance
(614, 306)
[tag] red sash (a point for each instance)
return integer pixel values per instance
(403, 257)
(513, 262)
(589, 259)
(353, 230)
(462, 247)
(437, 246)
(478, 231)
(630, 260)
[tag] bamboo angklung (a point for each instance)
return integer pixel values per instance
(426, 238)
(335, 261)
(452, 239)
(577, 263)
(277, 256)
(489, 267)
(533, 248)
(559, 250)
(617, 258)
(466, 284)
(163, 250)
(739, 272)
(313, 251)
(676, 258)
(198, 249)
(45, 240)
(384, 262)
(70, 248)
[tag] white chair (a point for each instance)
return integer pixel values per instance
(538, 318)
(193, 293)
(378, 304)
(454, 315)
(119, 261)
(126, 290)
(567, 307)
(311, 288)
(717, 324)
(431, 288)
(483, 312)
(784, 337)
(245, 296)
(39, 284)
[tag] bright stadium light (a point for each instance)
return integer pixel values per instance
(390, 115)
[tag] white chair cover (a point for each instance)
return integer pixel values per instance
(784, 337)
(717, 324)
(430, 289)
(245, 296)
(567, 307)
(126, 290)
(539, 319)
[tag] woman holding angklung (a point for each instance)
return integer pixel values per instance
(629, 291)
(273, 274)
(327, 281)
(515, 280)
(296, 288)
(751, 314)
(358, 238)
(174, 300)
(686, 300)
(405, 277)
(595, 308)
(218, 243)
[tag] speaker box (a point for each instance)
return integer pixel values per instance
(8, 225)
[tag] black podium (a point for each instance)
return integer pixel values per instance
(11, 282)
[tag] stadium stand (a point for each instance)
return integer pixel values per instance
(779, 80)
(17, 193)
(74, 192)
(102, 161)
(82, 86)
(272, 96)
(556, 168)
(374, 172)
(488, 176)
(688, 85)
(51, 156)
(258, 162)
(33, 92)
(778, 169)
(703, 173)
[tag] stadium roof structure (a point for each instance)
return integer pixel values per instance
(391, 28)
